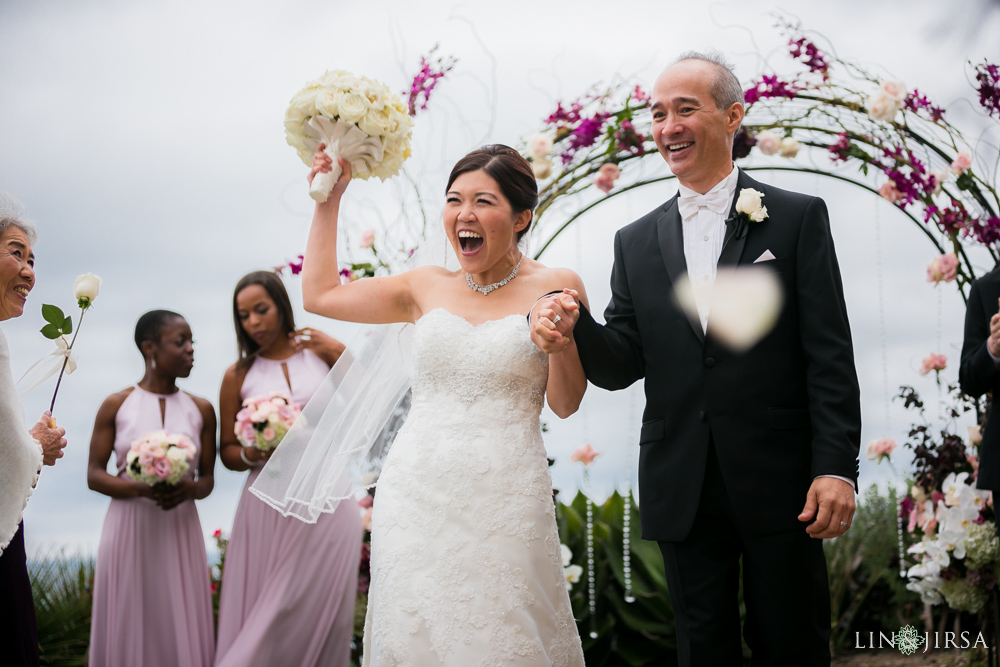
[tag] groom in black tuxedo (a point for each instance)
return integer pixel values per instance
(746, 459)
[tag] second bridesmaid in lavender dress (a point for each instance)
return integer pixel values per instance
(289, 587)
(152, 603)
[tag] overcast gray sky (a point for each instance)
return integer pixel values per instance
(146, 140)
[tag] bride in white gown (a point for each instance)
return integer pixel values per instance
(465, 561)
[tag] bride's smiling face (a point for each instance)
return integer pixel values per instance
(480, 222)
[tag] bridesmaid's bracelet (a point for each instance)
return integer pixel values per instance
(243, 455)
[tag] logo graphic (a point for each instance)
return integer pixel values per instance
(908, 640)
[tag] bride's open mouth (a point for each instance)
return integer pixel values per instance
(469, 240)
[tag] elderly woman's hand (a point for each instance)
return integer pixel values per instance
(51, 439)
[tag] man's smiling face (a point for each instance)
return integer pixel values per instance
(693, 135)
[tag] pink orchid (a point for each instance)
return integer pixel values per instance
(367, 239)
(585, 454)
(933, 362)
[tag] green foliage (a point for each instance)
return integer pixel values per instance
(62, 589)
(58, 323)
(866, 591)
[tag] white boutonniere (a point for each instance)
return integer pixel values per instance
(749, 206)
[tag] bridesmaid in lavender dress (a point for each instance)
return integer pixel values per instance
(289, 587)
(152, 603)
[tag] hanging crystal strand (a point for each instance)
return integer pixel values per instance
(885, 372)
(627, 512)
(591, 583)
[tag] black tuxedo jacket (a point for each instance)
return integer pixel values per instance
(978, 373)
(780, 414)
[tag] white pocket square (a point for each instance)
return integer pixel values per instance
(766, 257)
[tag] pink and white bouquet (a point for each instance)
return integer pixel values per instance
(264, 420)
(159, 456)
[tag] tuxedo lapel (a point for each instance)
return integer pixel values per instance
(670, 234)
(732, 248)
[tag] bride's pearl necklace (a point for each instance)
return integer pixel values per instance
(486, 289)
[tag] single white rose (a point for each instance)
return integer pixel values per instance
(328, 103)
(86, 289)
(759, 215)
(768, 142)
(749, 201)
(353, 107)
(542, 168)
(374, 124)
(539, 145)
(176, 455)
(894, 89)
(790, 147)
(882, 107)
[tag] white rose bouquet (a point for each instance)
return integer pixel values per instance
(159, 457)
(358, 119)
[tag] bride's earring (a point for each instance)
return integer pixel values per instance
(153, 359)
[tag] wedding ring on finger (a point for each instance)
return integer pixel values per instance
(844, 524)
(555, 320)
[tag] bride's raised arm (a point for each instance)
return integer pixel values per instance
(374, 300)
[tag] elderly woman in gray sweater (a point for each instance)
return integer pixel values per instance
(22, 451)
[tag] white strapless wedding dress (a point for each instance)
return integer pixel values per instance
(466, 568)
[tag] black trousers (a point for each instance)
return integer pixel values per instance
(18, 637)
(785, 589)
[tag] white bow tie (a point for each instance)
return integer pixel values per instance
(717, 202)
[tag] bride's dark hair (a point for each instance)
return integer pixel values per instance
(511, 172)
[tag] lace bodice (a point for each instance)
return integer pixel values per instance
(481, 364)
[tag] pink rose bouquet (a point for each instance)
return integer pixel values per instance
(159, 456)
(264, 420)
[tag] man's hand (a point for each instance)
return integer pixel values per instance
(553, 319)
(51, 439)
(993, 342)
(834, 500)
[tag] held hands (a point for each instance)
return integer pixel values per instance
(323, 163)
(51, 439)
(169, 496)
(834, 498)
(553, 319)
(993, 342)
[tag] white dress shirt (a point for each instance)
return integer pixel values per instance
(704, 224)
(704, 233)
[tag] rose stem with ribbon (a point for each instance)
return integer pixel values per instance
(86, 289)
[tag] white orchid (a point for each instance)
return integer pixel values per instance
(953, 487)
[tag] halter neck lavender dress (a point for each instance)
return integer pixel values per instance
(289, 587)
(152, 603)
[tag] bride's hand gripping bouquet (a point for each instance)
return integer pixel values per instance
(264, 420)
(160, 457)
(355, 118)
